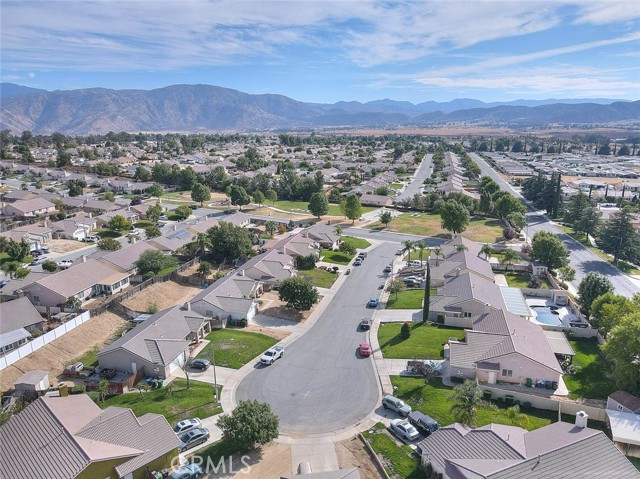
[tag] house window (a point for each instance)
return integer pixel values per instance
(8, 347)
(209, 313)
(507, 373)
(620, 408)
(36, 299)
(466, 314)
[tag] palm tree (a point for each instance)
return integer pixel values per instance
(487, 251)
(409, 246)
(516, 417)
(10, 268)
(421, 247)
(438, 252)
(270, 227)
(509, 257)
(461, 247)
(467, 399)
(201, 243)
(338, 230)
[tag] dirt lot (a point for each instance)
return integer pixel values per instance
(53, 357)
(162, 295)
(269, 462)
(275, 308)
(65, 246)
(352, 453)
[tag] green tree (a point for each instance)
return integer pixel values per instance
(594, 284)
(487, 251)
(229, 242)
(510, 257)
(622, 349)
(271, 195)
(517, 220)
(119, 223)
(109, 244)
(347, 248)
(182, 212)
(76, 187)
(199, 246)
(515, 417)
(408, 246)
(152, 231)
(385, 218)
(467, 399)
(154, 213)
(396, 286)
(619, 238)
(258, 197)
(405, 331)
(49, 266)
(142, 174)
(270, 227)
(108, 196)
(103, 389)
(17, 251)
(151, 262)
(204, 269)
(607, 309)
(251, 423)
(318, 204)
(566, 274)
(508, 204)
(298, 293)
(239, 196)
(353, 208)
(549, 250)
(155, 190)
(200, 193)
(454, 217)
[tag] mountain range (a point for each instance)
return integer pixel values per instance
(193, 108)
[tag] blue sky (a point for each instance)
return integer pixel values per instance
(327, 51)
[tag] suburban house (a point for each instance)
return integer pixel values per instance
(506, 452)
(173, 240)
(623, 412)
(158, 346)
(14, 288)
(70, 437)
(29, 208)
(33, 383)
(83, 282)
(100, 206)
(295, 245)
(18, 321)
(74, 228)
(457, 263)
(624, 402)
(375, 200)
(19, 236)
(125, 257)
(273, 267)
(231, 297)
(324, 234)
(38, 234)
(104, 219)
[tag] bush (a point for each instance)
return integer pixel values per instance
(534, 283)
(78, 389)
(405, 331)
(305, 262)
(509, 233)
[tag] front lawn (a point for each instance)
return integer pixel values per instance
(407, 299)
(519, 279)
(591, 379)
(400, 461)
(234, 348)
(433, 400)
(142, 224)
(183, 403)
(336, 257)
(107, 233)
(426, 340)
(357, 243)
(319, 277)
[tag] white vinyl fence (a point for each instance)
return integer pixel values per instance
(37, 343)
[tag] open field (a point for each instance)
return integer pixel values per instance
(162, 296)
(66, 246)
(53, 357)
(426, 340)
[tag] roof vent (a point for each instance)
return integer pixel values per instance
(581, 419)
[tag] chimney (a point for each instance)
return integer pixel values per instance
(581, 419)
(175, 228)
(241, 272)
(46, 222)
(457, 271)
(487, 307)
(83, 258)
(187, 306)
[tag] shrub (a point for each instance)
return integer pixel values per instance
(405, 331)
(305, 262)
(534, 283)
(509, 233)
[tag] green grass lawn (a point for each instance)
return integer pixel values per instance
(142, 224)
(107, 233)
(319, 277)
(426, 340)
(400, 462)
(335, 257)
(357, 243)
(397, 186)
(4, 257)
(480, 229)
(302, 207)
(591, 378)
(433, 400)
(235, 348)
(172, 216)
(519, 279)
(635, 461)
(183, 403)
(407, 299)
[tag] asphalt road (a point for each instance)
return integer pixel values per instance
(417, 183)
(580, 258)
(322, 385)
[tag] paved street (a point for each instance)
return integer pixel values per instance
(322, 385)
(417, 182)
(580, 258)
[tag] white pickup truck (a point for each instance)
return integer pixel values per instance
(271, 354)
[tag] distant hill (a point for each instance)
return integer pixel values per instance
(192, 108)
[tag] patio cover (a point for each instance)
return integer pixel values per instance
(559, 343)
(625, 427)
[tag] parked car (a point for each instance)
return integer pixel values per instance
(202, 364)
(423, 422)
(164, 218)
(397, 405)
(92, 239)
(187, 425)
(271, 354)
(365, 324)
(347, 271)
(36, 252)
(44, 249)
(357, 262)
(4, 282)
(64, 263)
(373, 302)
(193, 207)
(362, 254)
(108, 373)
(193, 438)
(415, 263)
(387, 269)
(411, 282)
(188, 471)
(399, 252)
(39, 260)
(365, 350)
(73, 369)
(404, 430)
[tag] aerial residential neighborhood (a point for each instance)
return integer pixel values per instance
(319, 240)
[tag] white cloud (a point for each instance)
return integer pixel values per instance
(603, 12)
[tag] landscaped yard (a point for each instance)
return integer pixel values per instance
(407, 299)
(480, 229)
(142, 224)
(183, 403)
(337, 257)
(107, 233)
(519, 279)
(591, 379)
(357, 243)
(400, 460)
(426, 340)
(433, 400)
(234, 348)
(319, 277)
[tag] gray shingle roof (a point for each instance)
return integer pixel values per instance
(17, 314)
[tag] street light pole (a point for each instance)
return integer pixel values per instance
(215, 379)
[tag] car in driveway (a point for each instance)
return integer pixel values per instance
(365, 324)
(91, 239)
(397, 405)
(365, 350)
(193, 438)
(39, 260)
(187, 471)
(202, 364)
(64, 263)
(373, 302)
(422, 422)
(187, 425)
(404, 430)
(272, 354)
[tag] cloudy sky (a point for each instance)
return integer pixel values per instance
(327, 51)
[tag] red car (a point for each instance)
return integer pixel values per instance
(365, 349)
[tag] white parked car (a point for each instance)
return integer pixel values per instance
(187, 425)
(404, 429)
(271, 354)
(64, 263)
